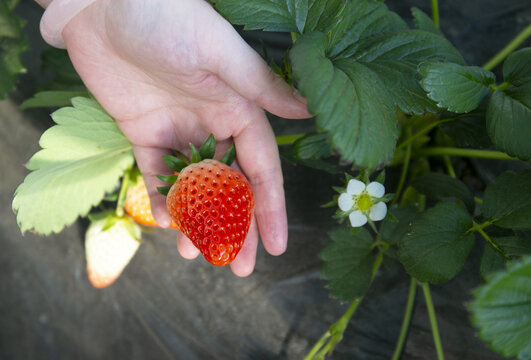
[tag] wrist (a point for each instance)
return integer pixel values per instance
(57, 14)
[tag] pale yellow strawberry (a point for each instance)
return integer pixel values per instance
(110, 243)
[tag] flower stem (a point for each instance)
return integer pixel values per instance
(433, 321)
(334, 334)
(407, 319)
(507, 50)
(472, 153)
(329, 340)
(403, 174)
(288, 139)
(435, 12)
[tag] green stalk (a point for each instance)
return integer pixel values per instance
(422, 132)
(435, 12)
(335, 333)
(433, 321)
(449, 166)
(507, 50)
(123, 193)
(288, 139)
(407, 319)
(403, 174)
(479, 228)
(329, 340)
(13, 4)
(294, 37)
(472, 153)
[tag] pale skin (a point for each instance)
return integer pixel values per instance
(172, 72)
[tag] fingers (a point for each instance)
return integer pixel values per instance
(244, 263)
(150, 165)
(186, 248)
(258, 157)
(245, 71)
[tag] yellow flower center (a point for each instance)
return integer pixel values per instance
(364, 202)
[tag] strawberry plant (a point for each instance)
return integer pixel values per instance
(396, 108)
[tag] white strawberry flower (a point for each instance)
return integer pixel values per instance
(363, 202)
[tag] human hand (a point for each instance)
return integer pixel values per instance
(172, 72)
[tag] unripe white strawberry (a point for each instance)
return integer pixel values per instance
(110, 243)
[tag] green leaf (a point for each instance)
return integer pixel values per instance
(318, 164)
(509, 110)
(356, 74)
(424, 22)
(394, 231)
(438, 244)
(508, 117)
(456, 87)
(468, 131)
(12, 44)
(517, 67)
(82, 158)
(501, 310)
(282, 15)
(312, 146)
(514, 246)
(271, 15)
(342, 98)
(491, 260)
(208, 149)
(52, 99)
(439, 186)
(507, 201)
(348, 263)
(65, 77)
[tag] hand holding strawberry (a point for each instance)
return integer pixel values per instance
(172, 72)
(211, 203)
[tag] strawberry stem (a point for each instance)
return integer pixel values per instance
(123, 193)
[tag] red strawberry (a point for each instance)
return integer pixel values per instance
(212, 204)
(138, 206)
(110, 243)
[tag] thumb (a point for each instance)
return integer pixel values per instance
(247, 73)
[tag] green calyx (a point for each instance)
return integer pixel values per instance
(178, 161)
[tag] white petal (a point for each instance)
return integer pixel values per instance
(378, 211)
(375, 189)
(345, 202)
(357, 218)
(355, 187)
